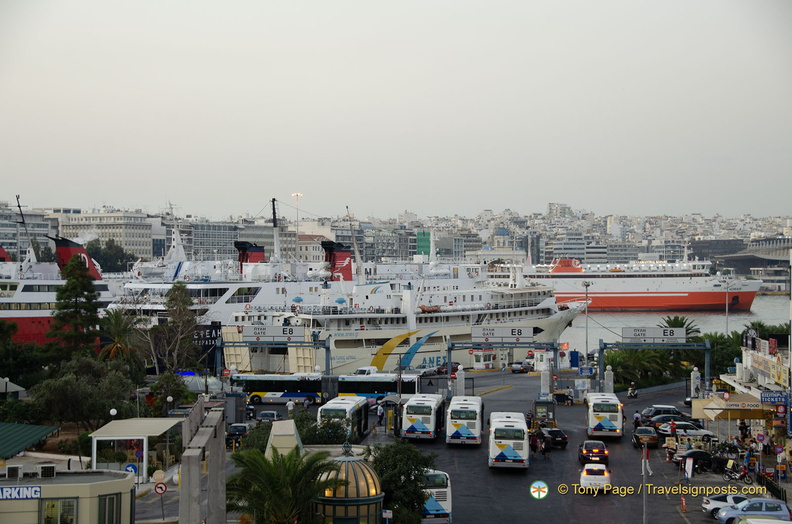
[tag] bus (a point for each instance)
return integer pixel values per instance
(297, 387)
(422, 416)
(508, 440)
(377, 386)
(436, 486)
(352, 410)
(604, 415)
(464, 420)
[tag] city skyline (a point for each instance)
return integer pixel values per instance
(439, 109)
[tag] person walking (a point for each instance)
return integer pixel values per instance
(646, 456)
(380, 414)
(547, 447)
(290, 408)
(570, 393)
(672, 428)
(534, 443)
(636, 420)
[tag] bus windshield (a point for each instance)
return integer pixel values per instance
(419, 410)
(509, 434)
(434, 481)
(605, 407)
(333, 413)
(463, 414)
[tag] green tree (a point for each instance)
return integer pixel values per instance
(20, 362)
(112, 257)
(167, 385)
(280, 490)
(171, 342)
(76, 316)
(119, 334)
(693, 335)
(401, 467)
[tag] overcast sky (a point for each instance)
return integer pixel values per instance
(435, 107)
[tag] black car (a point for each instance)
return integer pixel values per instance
(659, 420)
(661, 409)
(593, 451)
(702, 460)
(558, 438)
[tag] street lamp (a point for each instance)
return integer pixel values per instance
(297, 233)
(167, 438)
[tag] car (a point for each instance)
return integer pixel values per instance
(701, 458)
(659, 420)
(761, 507)
(645, 435)
(595, 476)
(688, 401)
(443, 370)
(236, 432)
(685, 429)
(269, 416)
(714, 503)
(662, 409)
(522, 367)
(250, 411)
(593, 451)
(558, 438)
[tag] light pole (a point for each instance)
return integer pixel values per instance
(167, 438)
(297, 233)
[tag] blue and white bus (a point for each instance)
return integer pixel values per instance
(265, 388)
(464, 420)
(508, 440)
(422, 417)
(436, 486)
(604, 415)
(377, 386)
(352, 411)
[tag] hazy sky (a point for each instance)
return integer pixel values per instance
(436, 107)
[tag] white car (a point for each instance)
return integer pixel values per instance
(713, 504)
(595, 476)
(684, 429)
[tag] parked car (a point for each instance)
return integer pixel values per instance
(595, 476)
(443, 370)
(761, 507)
(700, 458)
(659, 420)
(593, 451)
(269, 416)
(662, 409)
(426, 369)
(522, 367)
(715, 503)
(236, 432)
(557, 436)
(645, 435)
(685, 429)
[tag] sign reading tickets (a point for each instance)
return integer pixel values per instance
(773, 397)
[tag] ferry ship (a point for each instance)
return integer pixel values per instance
(28, 290)
(646, 286)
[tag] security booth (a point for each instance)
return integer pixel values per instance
(544, 413)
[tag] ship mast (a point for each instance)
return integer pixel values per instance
(361, 279)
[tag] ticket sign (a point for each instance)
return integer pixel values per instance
(654, 335)
(273, 334)
(773, 397)
(480, 334)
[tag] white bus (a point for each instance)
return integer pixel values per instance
(436, 486)
(508, 440)
(352, 410)
(604, 415)
(423, 416)
(464, 420)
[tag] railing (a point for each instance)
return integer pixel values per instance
(772, 486)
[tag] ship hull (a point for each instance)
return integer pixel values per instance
(664, 301)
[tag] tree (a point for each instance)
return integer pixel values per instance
(112, 257)
(401, 467)
(170, 385)
(21, 362)
(281, 489)
(693, 335)
(118, 342)
(171, 342)
(76, 316)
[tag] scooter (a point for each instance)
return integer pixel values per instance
(731, 474)
(632, 393)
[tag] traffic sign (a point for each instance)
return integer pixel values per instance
(726, 395)
(160, 488)
(470, 351)
(131, 468)
(760, 437)
(586, 370)
(273, 334)
(779, 449)
(139, 453)
(500, 334)
(654, 335)
(158, 476)
(555, 377)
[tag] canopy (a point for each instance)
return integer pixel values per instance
(16, 438)
(135, 428)
(738, 406)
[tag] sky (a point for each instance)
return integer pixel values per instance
(443, 107)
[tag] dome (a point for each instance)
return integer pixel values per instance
(359, 500)
(363, 481)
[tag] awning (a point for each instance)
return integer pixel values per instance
(737, 407)
(135, 428)
(16, 438)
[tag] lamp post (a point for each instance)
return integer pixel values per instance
(167, 438)
(297, 233)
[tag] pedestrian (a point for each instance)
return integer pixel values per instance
(547, 447)
(672, 428)
(306, 402)
(290, 408)
(570, 396)
(646, 457)
(529, 419)
(380, 414)
(534, 443)
(636, 420)
(742, 427)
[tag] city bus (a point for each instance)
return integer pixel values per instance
(508, 440)
(464, 420)
(353, 411)
(377, 386)
(261, 388)
(422, 416)
(436, 486)
(604, 415)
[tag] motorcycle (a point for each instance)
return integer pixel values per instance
(632, 393)
(732, 474)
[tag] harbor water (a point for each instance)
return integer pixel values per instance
(607, 326)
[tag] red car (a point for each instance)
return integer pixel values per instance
(443, 370)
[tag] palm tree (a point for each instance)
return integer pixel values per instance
(280, 490)
(692, 335)
(119, 329)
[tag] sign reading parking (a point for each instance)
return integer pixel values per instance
(273, 334)
(487, 335)
(654, 335)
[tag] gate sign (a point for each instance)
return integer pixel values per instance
(773, 397)
(480, 334)
(273, 334)
(654, 335)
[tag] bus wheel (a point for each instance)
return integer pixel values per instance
(255, 399)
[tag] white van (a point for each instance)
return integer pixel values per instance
(366, 370)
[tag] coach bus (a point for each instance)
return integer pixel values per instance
(604, 415)
(464, 420)
(377, 386)
(422, 417)
(508, 440)
(265, 388)
(353, 411)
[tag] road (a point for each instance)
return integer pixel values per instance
(481, 494)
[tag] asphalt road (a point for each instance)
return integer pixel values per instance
(481, 494)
